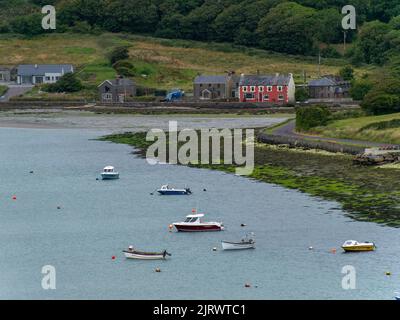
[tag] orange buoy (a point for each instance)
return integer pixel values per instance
(333, 250)
(113, 258)
(14, 197)
(170, 227)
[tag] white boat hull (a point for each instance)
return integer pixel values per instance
(130, 255)
(109, 176)
(237, 246)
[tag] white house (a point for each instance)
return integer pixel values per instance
(42, 73)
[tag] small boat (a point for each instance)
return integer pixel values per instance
(194, 223)
(167, 190)
(109, 173)
(131, 253)
(246, 243)
(355, 246)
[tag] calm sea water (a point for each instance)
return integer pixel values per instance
(98, 219)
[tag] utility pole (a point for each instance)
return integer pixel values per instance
(344, 41)
(319, 64)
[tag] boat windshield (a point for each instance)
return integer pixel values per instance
(188, 219)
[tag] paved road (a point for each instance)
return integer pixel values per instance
(15, 90)
(288, 131)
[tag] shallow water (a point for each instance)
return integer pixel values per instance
(98, 219)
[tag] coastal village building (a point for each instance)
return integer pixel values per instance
(7, 74)
(116, 91)
(216, 87)
(329, 87)
(274, 89)
(42, 73)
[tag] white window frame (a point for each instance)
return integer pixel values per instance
(244, 89)
(260, 88)
(269, 89)
(280, 88)
(281, 97)
(252, 89)
(266, 99)
(107, 96)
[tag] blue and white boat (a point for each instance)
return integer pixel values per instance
(167, 190)
(109, 173)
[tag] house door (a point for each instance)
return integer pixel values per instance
(260, 97)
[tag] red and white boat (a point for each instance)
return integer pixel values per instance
(194, 223)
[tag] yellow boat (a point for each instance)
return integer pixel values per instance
(355, 246)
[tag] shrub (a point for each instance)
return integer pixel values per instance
(67, 83)
(310, 117)
(360, 88)
(119, 53)
(301, 94)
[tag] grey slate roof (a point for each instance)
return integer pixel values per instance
(41, 69)
(210, 79)
(119, 82)
(323, 82)
(264, 80)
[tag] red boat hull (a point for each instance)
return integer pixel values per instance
(187, 228)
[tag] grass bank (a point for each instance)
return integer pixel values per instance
(367, 194)
(384, 128)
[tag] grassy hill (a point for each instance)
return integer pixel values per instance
(384, 128)
(159, 63)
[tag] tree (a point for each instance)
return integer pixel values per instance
(347, 73)
(30, 25)
(360, 88)
(372, 42)
(302, 94)
(310, 117)
(67, 83)
(384, 97)
(289, 28)
(119, 53)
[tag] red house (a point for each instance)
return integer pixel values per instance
(274, 89)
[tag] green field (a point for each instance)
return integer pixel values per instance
(384, 128)
(159, 63)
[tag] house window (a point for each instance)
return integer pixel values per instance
(107, 96)
(280, 88)
(260, 88)
(266, 97)
(249, 95)
(252, 89)
(47, 78)
(244, 89)
(269, 89)
(201, 85)
(219, 85)
(57, 78)
(281, 97)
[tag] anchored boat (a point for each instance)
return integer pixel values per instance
(109, 173)
(131, 253)
(167, 190)
(194, 223)
(355, 246)
(246, 243)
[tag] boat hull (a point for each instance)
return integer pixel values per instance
(173, 192)
(142, 256)
(198, 228)
(358, 248)
(110, 176)
(226, 245)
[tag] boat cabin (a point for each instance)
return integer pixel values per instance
(109, 169)
(194, 218)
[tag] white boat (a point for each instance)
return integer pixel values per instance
(355, 246)
(247, 243)
(168, 190)
(109, 173)
(194, 223)
(131, 253)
